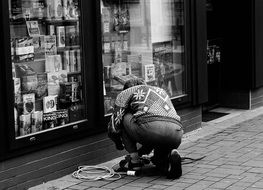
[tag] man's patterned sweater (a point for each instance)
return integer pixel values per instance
(146, 103)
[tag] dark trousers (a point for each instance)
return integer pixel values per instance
(162, 136)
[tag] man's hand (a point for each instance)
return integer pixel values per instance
(119, 146)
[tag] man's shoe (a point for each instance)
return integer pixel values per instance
(135, 166)
(174, 170)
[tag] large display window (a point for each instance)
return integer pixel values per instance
(46, 57)
(144, 39)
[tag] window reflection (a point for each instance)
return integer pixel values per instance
(145, 39)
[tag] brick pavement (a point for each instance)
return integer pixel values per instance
(234, 160)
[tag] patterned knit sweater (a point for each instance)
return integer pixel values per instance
(146, 103)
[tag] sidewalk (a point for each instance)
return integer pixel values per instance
(233, 146)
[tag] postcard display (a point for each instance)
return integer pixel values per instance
(46, 62)
(131, 51)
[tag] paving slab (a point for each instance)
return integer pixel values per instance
(233, 148)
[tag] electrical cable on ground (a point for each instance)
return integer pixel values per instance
(190, 160)
(94, 173)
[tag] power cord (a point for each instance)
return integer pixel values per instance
(190, 160)
(94, 173)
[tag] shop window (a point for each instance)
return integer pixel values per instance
(46, 57)
(143, 39)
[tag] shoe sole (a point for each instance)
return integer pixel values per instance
(175, 166)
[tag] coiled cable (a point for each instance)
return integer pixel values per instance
(93, 173)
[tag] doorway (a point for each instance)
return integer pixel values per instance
(214, 55)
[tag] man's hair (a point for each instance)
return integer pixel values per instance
(133, 82)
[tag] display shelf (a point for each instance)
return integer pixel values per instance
(21, 21)
(74, 73)
(60, 21)
(30, 62)
(73, 47)
(73, 124)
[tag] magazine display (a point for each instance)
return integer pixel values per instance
(46, 64)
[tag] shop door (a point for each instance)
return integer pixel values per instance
(214, 58)
(214, 53)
